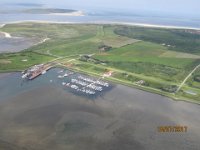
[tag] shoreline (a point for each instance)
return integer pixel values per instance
(170, 98)
(167, 95)
(104, 23)
(42, 41)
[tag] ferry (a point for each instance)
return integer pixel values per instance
(35, 71)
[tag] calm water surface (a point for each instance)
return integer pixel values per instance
(121, 118)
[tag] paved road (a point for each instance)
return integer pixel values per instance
(181, 85)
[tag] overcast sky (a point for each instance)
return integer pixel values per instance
(185, 7)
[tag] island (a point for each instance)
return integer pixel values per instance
(165, 61)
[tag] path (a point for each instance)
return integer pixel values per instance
(181, 85)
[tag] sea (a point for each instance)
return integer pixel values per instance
(45, 111)
(102, 16)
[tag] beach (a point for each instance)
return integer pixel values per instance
(2, 25)
(106, 22)
(76, 13)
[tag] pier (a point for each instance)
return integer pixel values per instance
(36, 71)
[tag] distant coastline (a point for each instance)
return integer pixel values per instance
(101, 22)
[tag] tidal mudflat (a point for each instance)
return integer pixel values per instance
(11, 43)
(15, 44)
(42, 115)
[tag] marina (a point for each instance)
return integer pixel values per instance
(69, 80)
(81, 84)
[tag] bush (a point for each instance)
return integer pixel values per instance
(197, 78)
(169, 88)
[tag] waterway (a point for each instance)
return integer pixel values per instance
(42, 114)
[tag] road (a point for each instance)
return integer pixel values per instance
(66, 61)
(181, 85)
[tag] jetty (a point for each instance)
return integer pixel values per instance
(36, 71)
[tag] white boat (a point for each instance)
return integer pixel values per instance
(67, 84)
(74, 87)
(24, 76)
(60, 76)
(61, 71)
(71, 73)
(65, 75)
(43, 72)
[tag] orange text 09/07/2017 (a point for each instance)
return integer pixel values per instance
(171, 129)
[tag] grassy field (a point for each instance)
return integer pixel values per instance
(20, 61)
(161, 58)
(147, 58)
(185, 40)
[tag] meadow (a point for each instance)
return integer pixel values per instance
(185, 40)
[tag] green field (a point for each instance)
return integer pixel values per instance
(20, 61)
(161, 58)
(146, 58)
(184, 40)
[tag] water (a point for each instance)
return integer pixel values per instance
(20, 85)
(9, 13)
(91, 18)
(42, 111)
(15, 44)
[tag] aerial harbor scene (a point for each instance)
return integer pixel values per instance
(98, 76)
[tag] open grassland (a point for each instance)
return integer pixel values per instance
(156, 57)
(184, 40)
(108, 37)
(20, 61)
(174, 54)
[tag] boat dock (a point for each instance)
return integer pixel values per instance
(82, 84)
(36, 71)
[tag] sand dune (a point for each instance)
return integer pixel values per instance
(6, 35)
(2, 25)
(76, 13)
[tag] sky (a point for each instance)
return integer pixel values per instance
(176, 7)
